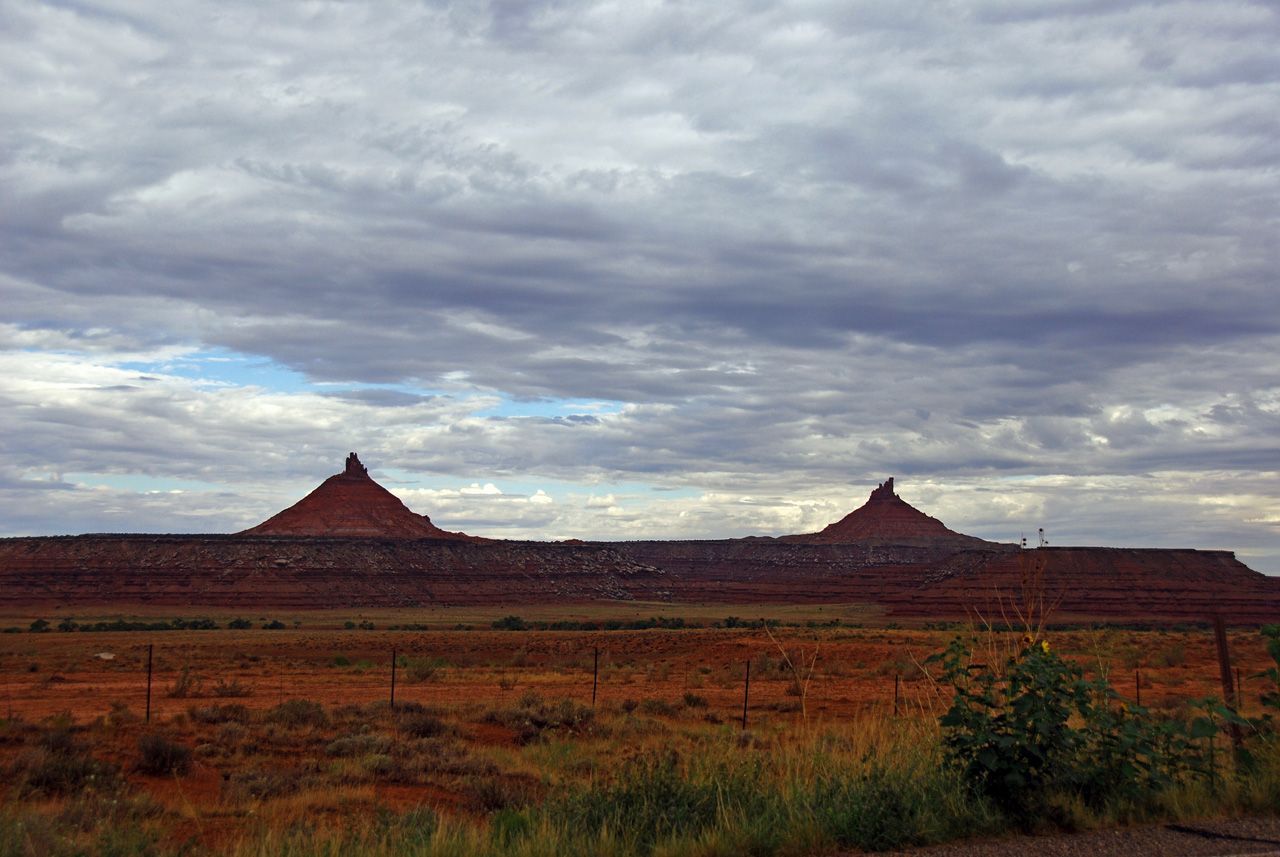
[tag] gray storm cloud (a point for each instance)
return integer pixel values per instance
(1023, 255)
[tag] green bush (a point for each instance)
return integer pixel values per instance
(1036, 735)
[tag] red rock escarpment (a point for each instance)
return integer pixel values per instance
(313, 572)
(352, 543)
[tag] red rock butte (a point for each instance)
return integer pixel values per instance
(888, 519)
(351, 504)
(352, 543)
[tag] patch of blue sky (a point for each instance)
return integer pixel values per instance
(139, 483)
(220, 367)
(226, 368)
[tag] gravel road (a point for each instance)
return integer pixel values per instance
(1240, 836)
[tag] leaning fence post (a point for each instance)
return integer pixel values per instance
(895, 694)
(595, 675)
(1224, 668)
(746, 691)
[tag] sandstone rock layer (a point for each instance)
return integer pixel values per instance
(351, 543)
(352, 504)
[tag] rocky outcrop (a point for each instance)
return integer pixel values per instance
(351, 504)
(888, 519)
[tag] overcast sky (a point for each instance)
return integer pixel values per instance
(641, 269)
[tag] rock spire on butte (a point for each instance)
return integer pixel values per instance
(351, 504)
(888, 519)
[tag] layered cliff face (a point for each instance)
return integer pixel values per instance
(314, 573)
(351, 543)
(352, 505)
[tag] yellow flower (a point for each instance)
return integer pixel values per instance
(1026, 640)
(1044, 644)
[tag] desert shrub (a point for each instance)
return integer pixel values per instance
(259, 785)
(214, 714)
(693, 700)
(158, 755)
(17, 730)
(230, 732)
(532, 717)
(491, 794)
(359, 745)
(510, 623)
(231, 688)
(40, 772)
(657, 707)
(296, 713)
(55, 763)
(1172, 655)
(379, 765)
(186, 684)
(239, 624)
(423, 725)
(273, 625)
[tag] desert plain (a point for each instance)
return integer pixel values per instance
(295, 725)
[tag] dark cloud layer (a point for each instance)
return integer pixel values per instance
(1023, 254)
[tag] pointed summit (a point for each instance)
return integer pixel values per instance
(888, 519)
(351, 504)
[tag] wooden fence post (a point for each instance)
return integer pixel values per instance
(150, 646)
(1224, 669)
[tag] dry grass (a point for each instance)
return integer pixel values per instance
(496, 729)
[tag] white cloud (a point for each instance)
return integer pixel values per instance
(793, 248)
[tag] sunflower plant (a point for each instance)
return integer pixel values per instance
(1034, 729)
